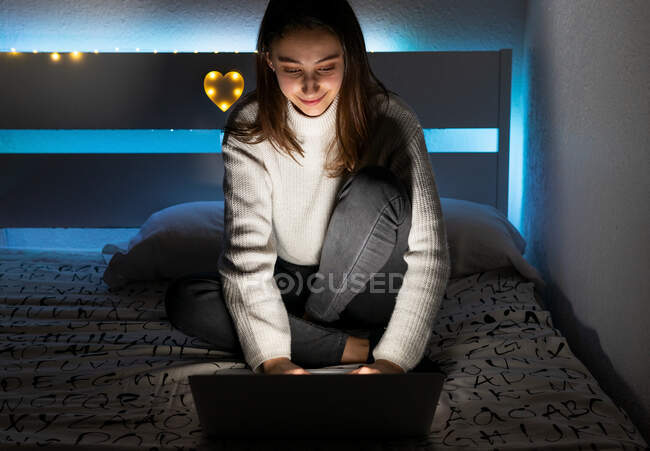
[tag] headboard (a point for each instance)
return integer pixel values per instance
(144, 135)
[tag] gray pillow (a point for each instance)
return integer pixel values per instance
(178, 240)
(186, 238)
(481, 238)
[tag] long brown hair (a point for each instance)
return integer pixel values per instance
(354, 116)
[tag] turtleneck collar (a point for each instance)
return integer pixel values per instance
(313, 126)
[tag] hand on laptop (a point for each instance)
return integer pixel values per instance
(380, 366)
(282, 365)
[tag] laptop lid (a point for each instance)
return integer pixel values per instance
(320, 405)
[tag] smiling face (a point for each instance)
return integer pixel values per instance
(308, 65)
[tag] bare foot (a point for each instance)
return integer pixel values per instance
(356, 350)
(282, 365)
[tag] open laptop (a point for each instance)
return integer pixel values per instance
(326, 404)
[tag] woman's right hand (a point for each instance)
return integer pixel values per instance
(282, 365)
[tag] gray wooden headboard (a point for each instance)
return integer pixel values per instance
(136, 91)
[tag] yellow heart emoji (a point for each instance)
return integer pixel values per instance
(223, 90)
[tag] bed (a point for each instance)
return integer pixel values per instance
(83, 364)
(96, 364)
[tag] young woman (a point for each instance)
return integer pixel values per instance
(327, 186)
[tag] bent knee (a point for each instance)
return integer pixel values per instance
(380, 183)
(380, 177)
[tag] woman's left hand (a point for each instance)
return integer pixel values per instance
(380, 366)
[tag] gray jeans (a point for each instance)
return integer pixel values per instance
(352, 290)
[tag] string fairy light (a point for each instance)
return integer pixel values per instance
(78, 54)
(221, 97)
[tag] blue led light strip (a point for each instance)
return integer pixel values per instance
(461, 139)
(198, 141)
(110, 141)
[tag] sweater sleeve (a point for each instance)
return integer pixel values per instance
(425, 280)
(247, 261)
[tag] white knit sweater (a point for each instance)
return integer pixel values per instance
(274, 207)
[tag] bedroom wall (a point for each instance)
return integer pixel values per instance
(231, 25)
(586, 210)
